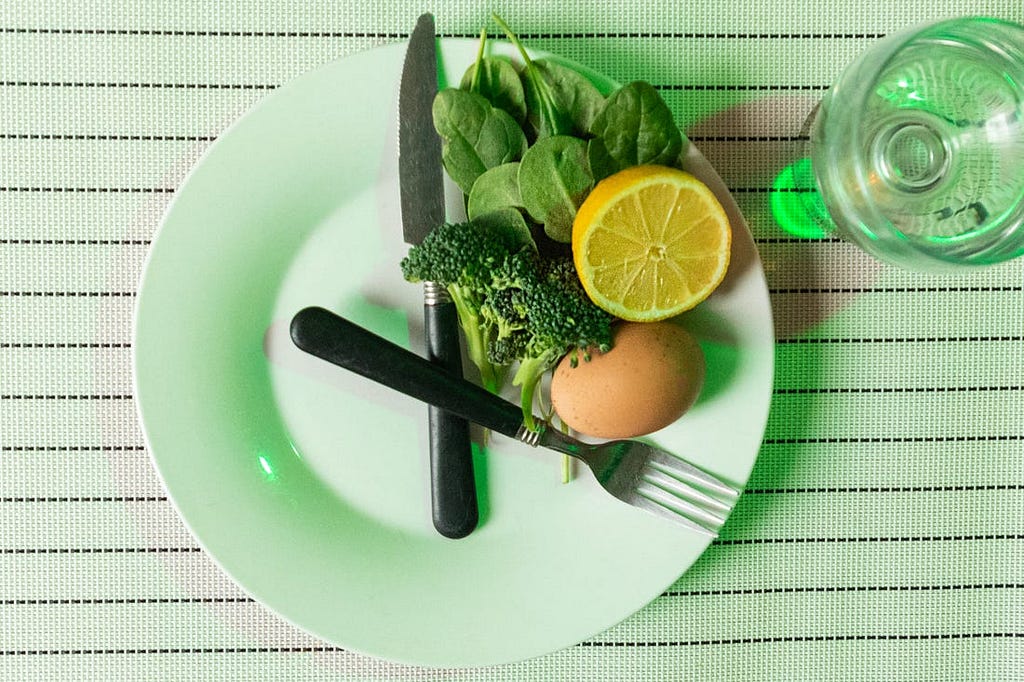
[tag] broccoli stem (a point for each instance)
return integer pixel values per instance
(527, 377)
(566, 459)
(476, 341)
(476, 346)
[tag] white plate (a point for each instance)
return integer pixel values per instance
(308, 485)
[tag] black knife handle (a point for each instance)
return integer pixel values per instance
(452, 484)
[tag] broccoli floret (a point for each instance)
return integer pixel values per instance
(502, 313)
(514, 306)
(461, 258)
(561, 319)
(504, 306)
(543, 313)
(506, 350)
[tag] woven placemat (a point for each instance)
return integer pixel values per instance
(882, 533)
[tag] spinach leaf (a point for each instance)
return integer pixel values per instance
(496, 188)
(547, 117)
(634, 127)
(476, 136)
(498, 81)
(554, 179)
(510, 224)
(572, 94)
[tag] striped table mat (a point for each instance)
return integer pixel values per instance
(882, 534)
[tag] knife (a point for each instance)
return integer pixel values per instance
(453, 489)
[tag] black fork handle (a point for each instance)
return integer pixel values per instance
(332, 338)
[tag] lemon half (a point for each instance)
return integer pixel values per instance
(650, 242)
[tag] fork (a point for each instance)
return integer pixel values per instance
(637, 473)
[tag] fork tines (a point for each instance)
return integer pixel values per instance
(675, 489)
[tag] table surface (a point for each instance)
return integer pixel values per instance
(882, 532)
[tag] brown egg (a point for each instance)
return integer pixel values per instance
(650, 378)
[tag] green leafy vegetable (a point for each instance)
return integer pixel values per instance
(476, 136)
(634, 127)
(496, 188)
(572, 93)
(554, 179)
(497, 80)
(542, 110)
(509, 221)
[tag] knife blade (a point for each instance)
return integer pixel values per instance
(454, 507)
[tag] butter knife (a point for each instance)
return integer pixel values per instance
(453, 489)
